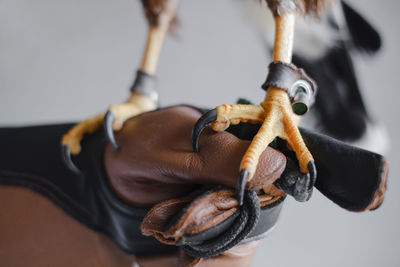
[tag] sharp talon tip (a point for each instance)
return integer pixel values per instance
(207, 118)
(108, 127)
(66, 155)
(313, 172)
(241, 185)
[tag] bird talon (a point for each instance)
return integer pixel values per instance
(297, 184)
(66, 156)
(312, 170)
(303, 188)
(208, 117)
(108, 127)
(241, 185)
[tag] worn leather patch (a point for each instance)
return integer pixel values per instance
(205, 220)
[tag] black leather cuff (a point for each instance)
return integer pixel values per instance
(31, 157)
(295, 82)
(145, 84)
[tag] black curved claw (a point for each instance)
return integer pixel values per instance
(312, 170)
(207, 118)
(297, 184)
(108, 127)
(66, 156)
(241, 185)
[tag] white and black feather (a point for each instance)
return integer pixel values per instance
(324, 49)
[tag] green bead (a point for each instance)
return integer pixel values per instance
(243, 101)
(299, 108)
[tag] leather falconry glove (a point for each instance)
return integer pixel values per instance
(113, 191)
(156, 161)
(195, 218)
(163, 167)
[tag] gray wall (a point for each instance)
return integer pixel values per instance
(66, 60)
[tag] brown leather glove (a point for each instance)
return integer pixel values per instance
(156, 161)
(163, 165)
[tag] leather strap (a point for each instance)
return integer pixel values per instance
(145, 84)
(209, 222)
(288, 77)
(227, 234)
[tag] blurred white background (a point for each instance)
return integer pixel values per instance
(67, 60)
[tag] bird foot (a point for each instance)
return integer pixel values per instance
(298, 185)
(71, 141)
(278, 120)
(114, 120)
(118, 114)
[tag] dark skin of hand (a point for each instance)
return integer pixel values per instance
(156, 162)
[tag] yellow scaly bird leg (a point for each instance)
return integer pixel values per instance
(140, 102)
(275, 113)
(137, 103)
(279, 119)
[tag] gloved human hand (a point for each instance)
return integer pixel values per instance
(156, 162)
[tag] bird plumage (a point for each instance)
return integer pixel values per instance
(303, 7)
(339, 107)
(153, 9)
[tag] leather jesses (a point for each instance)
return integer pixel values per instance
(284, 75)
(145, 84)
